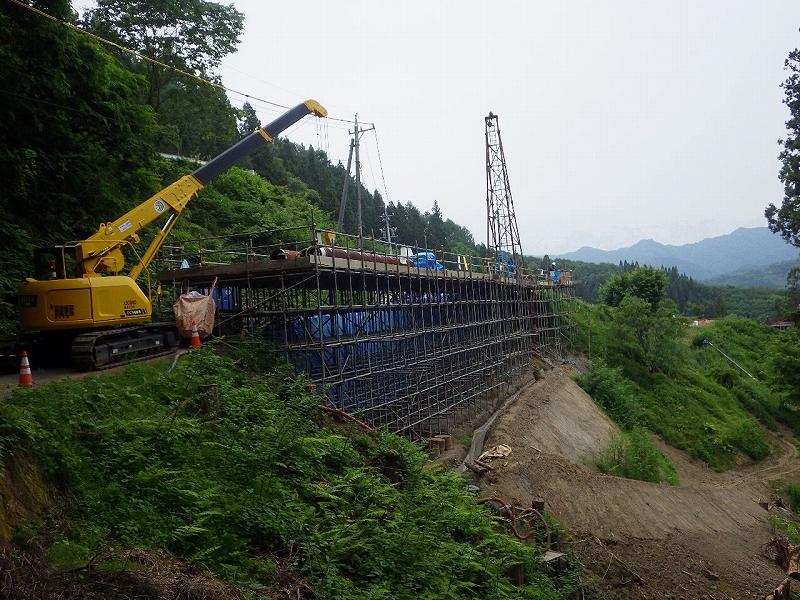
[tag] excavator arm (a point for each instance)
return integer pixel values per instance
(102, 252)
(98, 294)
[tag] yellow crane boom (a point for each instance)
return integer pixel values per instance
(85, 288)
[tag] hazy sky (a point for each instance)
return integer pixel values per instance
(620, 120)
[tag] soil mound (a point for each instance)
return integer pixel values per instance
(700, 539)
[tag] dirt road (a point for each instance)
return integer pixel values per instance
(43, 376)
(701, 539)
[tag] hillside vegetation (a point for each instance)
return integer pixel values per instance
(708, 390)
(693, 298)
(227, 462)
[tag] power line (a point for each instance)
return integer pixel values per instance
(152, 60)
(380, 164)
(267, 104)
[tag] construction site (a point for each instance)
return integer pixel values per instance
(410, 339)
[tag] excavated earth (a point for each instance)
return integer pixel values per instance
(704, 538)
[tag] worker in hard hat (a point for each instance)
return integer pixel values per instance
(554, 275)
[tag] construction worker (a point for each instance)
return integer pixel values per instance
(554, 275)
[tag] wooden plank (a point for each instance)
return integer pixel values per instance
(238, 272)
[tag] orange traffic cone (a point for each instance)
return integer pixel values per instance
(25, 376)
(195, 341)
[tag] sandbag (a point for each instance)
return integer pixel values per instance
(196, 307)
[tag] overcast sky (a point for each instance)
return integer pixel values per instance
(620, 120)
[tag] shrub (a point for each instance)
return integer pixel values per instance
(614, 393)
(793, 491)
(229, 484)
(633, 455)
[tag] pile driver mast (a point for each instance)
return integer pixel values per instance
(502, 233)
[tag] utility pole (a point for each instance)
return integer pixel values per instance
(387, 230)
(354, 147)
(502, 233)
(357, 132)
(340, 224)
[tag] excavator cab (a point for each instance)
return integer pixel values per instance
(53, 262)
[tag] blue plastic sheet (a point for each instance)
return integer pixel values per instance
(426, 260)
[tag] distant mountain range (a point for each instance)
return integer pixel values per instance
(733, 259)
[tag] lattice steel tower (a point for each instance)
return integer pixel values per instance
(502, 232)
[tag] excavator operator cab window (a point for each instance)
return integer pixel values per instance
(54, 262)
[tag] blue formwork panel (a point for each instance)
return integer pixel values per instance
(358, 329)
(226, 298)
(229, 299)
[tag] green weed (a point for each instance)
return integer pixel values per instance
(356, 514)
(633, 455)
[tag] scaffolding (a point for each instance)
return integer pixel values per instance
(417, 342)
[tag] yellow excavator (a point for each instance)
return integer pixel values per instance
(85, 304)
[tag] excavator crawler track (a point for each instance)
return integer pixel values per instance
(99, 350)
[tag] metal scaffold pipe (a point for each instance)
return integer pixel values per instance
(733, 362)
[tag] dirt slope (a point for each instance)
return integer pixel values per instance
(701, 539)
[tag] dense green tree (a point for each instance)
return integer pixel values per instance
(435, 231)
(191, 36)
(751, 302)
(238, 201)
(459, 239)
(316, 172)
(196, 120)
(785, 360)
(695, 310)
(75, 146)
(410, 224)
(269, 163)
(646, 283)
(248, 120)
(431, 230)
(645, 337)
(793, 288)
(720, 310)
(786, 219)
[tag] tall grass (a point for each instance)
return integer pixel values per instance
(634, 455)
(241, 474)
(714, 402)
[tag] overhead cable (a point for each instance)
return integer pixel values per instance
(148, 59)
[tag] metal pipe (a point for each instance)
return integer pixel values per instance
(358, 255)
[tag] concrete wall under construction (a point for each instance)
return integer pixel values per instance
(415, 343)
